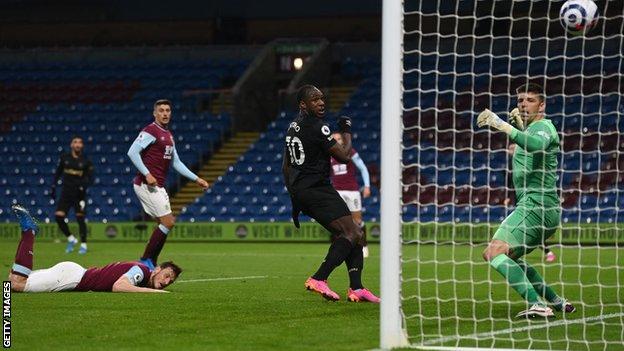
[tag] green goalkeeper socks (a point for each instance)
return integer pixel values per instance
(538, 283)
(516, 277)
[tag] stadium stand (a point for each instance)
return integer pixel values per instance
(447, 182)
(106, 103)
(113, 101)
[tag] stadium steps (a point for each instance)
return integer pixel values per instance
(227, 155)
(223, 102)
(338, 97)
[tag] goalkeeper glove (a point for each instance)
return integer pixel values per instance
(489, 118)
(515, 119)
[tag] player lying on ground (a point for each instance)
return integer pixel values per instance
(538, 211)
(344, 180)
(309, 145)
(152, 153)
(70, 276)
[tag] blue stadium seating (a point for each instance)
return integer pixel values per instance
(467, 185)
(111, 102)
(107, 104)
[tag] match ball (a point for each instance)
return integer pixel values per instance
(579, 16)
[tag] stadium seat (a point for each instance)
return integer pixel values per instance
(461, 171)
(107, 104)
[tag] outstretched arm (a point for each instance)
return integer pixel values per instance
(531, 143)
(359, 163)
(366, 192)
(123, 285)
(129, 281)
(181, 168)
(142, 141)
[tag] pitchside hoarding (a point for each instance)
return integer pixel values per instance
(603, 233)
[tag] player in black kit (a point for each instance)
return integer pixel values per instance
(306, 169)
(77, 172)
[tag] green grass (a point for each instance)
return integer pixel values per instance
(255, 314)
(275, 312)
(456, 305)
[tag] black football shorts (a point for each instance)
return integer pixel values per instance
(321, 203)
(72, 198)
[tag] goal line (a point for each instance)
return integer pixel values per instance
(486, 335)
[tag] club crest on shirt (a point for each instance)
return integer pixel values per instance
(543, 134)
(294, 126)
(168, 152)
(325, 130)
(340, 169)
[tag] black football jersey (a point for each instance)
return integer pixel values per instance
(307, 145)
(76, 172)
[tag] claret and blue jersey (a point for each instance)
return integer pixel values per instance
(103, 278)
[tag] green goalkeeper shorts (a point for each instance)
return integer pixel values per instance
(528, 227)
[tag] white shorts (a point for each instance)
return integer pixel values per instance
(353, 199)
(154, 199)
(63, 276)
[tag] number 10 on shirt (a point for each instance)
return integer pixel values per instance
(293, 144)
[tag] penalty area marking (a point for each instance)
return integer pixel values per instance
(487, 335)
(222, 279)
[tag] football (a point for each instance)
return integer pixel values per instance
(579, 16)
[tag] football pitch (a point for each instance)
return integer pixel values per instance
(458, 297)
(250, 296)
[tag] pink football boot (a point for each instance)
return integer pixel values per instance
(321, 287)
(550, 257)
(361, 295)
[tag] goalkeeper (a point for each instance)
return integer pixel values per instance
(538, 211)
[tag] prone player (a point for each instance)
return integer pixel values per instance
(70, 276)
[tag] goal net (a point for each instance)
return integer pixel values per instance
(445, 197)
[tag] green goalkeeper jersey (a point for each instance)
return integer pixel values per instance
(535, 164)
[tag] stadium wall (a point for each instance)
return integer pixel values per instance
(167, 32)
(85, 55)
(438, 233)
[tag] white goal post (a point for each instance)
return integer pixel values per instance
(446, 184)
(391, 320)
